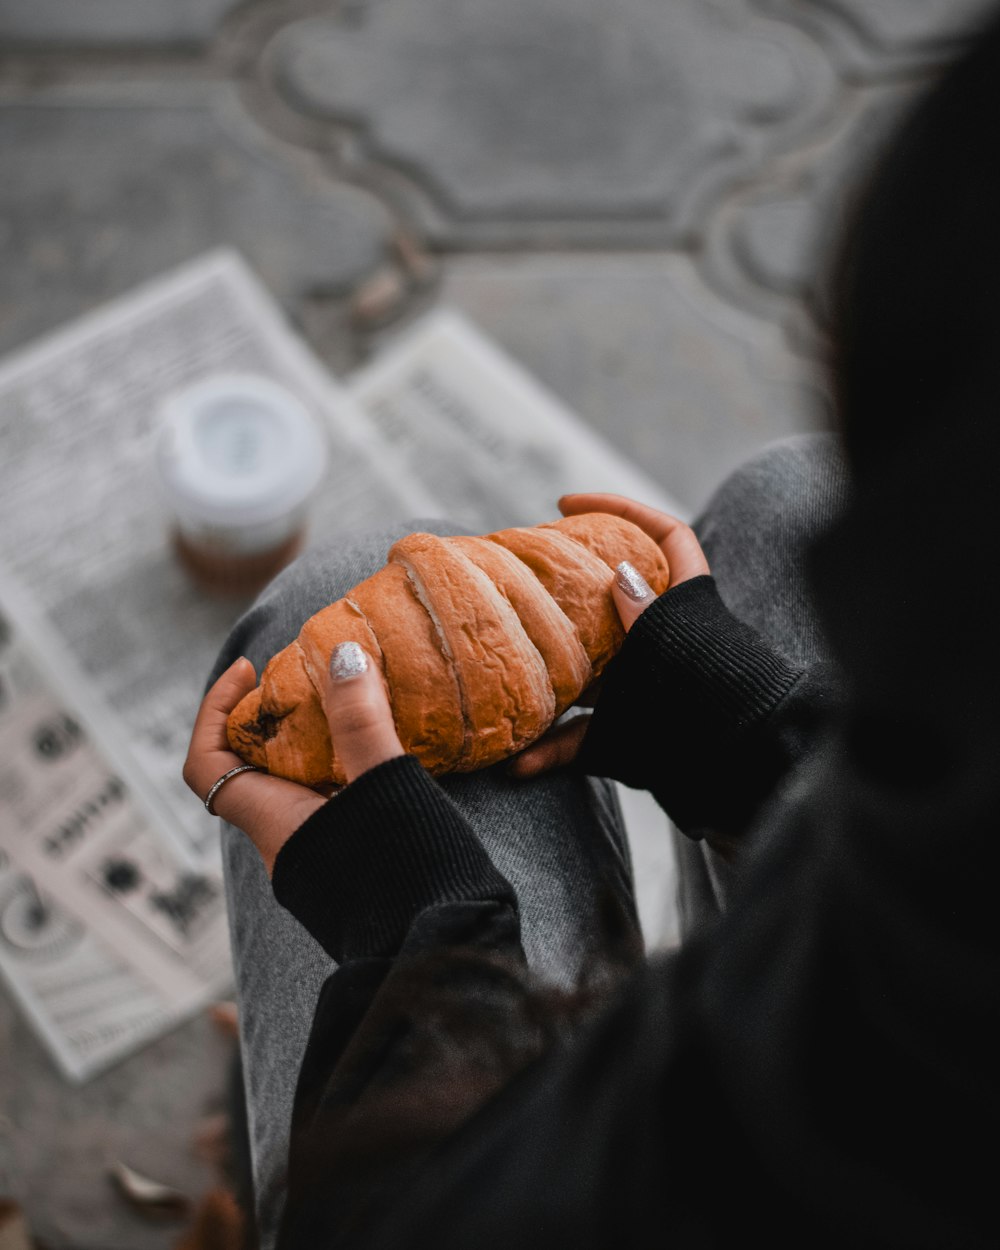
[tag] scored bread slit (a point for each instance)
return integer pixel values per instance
(541, 668)
(380, 658)
(307, 668)
(504, 693)
(420, 592)
(364, 616)
(552, 635)
(544, 692)
(521, 542)
(566, 617)
(569, 620)
(543, 678)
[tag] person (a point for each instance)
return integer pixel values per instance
(440, 985)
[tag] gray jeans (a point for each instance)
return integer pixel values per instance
(558, 839)
(755, 532)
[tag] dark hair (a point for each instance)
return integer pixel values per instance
(916, 298)
(903, 579)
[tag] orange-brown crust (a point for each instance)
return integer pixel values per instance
(248, 732)
(426, 703)
(482, 642)
(613, 540)
(546, 624)
(503, 684)
(342, 621)
(577, 580)
(300, 749)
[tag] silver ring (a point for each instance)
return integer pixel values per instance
(243, 768)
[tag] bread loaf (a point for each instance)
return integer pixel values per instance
(481, 642)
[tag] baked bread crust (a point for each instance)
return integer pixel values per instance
(481, 643)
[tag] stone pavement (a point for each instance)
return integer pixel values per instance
(638, 199)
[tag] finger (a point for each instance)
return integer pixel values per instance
(557, 748)
(676, 540)
(358, 710)
(209, 732)
(632, 593)
(209, 740)
(656, 524)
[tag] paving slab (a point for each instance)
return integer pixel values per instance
(85, 23)
(872, 39)
(104, 187)
(770, 246)
(57, 1140)
(544, 120)
(684, 384)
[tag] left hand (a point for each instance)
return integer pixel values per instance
(685, 559)
(270, 809)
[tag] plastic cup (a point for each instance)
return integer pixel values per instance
(240, 458)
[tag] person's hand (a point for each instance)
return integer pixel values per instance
(270, 809)
(632, 596)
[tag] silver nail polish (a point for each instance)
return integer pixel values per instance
(633, 583)
(347, 660)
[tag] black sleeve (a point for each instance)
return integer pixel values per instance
(401, 1053)
(431, 1010)
(817, 1069)
(702, 711)
(381, 851)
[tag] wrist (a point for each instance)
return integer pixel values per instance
(690, 685)
(377, 854)
(369, 751)
(299, 809)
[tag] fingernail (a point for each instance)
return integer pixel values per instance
(347, 660)
(633, 583)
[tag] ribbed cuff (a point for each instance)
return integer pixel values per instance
(687, 685)
(381, 851)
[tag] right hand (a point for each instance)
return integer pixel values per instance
(685, 559)
(269, 809)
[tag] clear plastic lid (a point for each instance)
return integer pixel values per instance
(238, 449)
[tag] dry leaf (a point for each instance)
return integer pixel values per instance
(225, 1017)
(148, 1196)
(378, 299)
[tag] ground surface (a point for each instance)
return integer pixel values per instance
(638, 200)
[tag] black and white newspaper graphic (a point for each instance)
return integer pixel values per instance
(110, 929)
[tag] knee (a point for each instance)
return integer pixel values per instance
(788, 491)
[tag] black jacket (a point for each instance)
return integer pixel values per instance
(819, 1068)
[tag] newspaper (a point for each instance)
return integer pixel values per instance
(441, 424)
(490, 444)
(109, 932)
